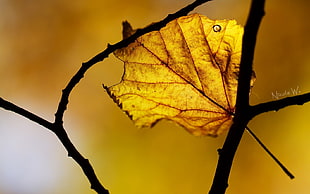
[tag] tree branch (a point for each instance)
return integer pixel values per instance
(60, 132)
(78, 158)
(57, 126)
(227, 153)
(244, 112)
(110, 49)
(25, 113)
(279, 104)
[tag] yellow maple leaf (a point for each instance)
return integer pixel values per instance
(186, 72)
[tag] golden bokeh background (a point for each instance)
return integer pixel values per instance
(43, 43)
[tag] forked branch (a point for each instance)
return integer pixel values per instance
(241, 119)
(57, 126)
(244, 112)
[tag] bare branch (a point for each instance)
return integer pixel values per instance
(244, 112)
(227, 153)
(25, 113)
(63, 137)
(57, 126)
(83, 162)
(111, 48)
(279, 104)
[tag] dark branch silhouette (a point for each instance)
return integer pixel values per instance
(104, 54)
(25, 113)
(57, 126)
(279, 104)
(241, 119)
(244, 112)
(63, 137)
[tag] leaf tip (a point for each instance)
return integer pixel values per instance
(127, 29)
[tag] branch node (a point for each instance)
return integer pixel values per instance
(219, 151)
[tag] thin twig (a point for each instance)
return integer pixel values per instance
(270, 154)
(57, 126)
(78, 158)
(64, 139)
(25, 113)
(110, 49)
(279, 104)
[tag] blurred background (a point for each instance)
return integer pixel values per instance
(43, 43)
